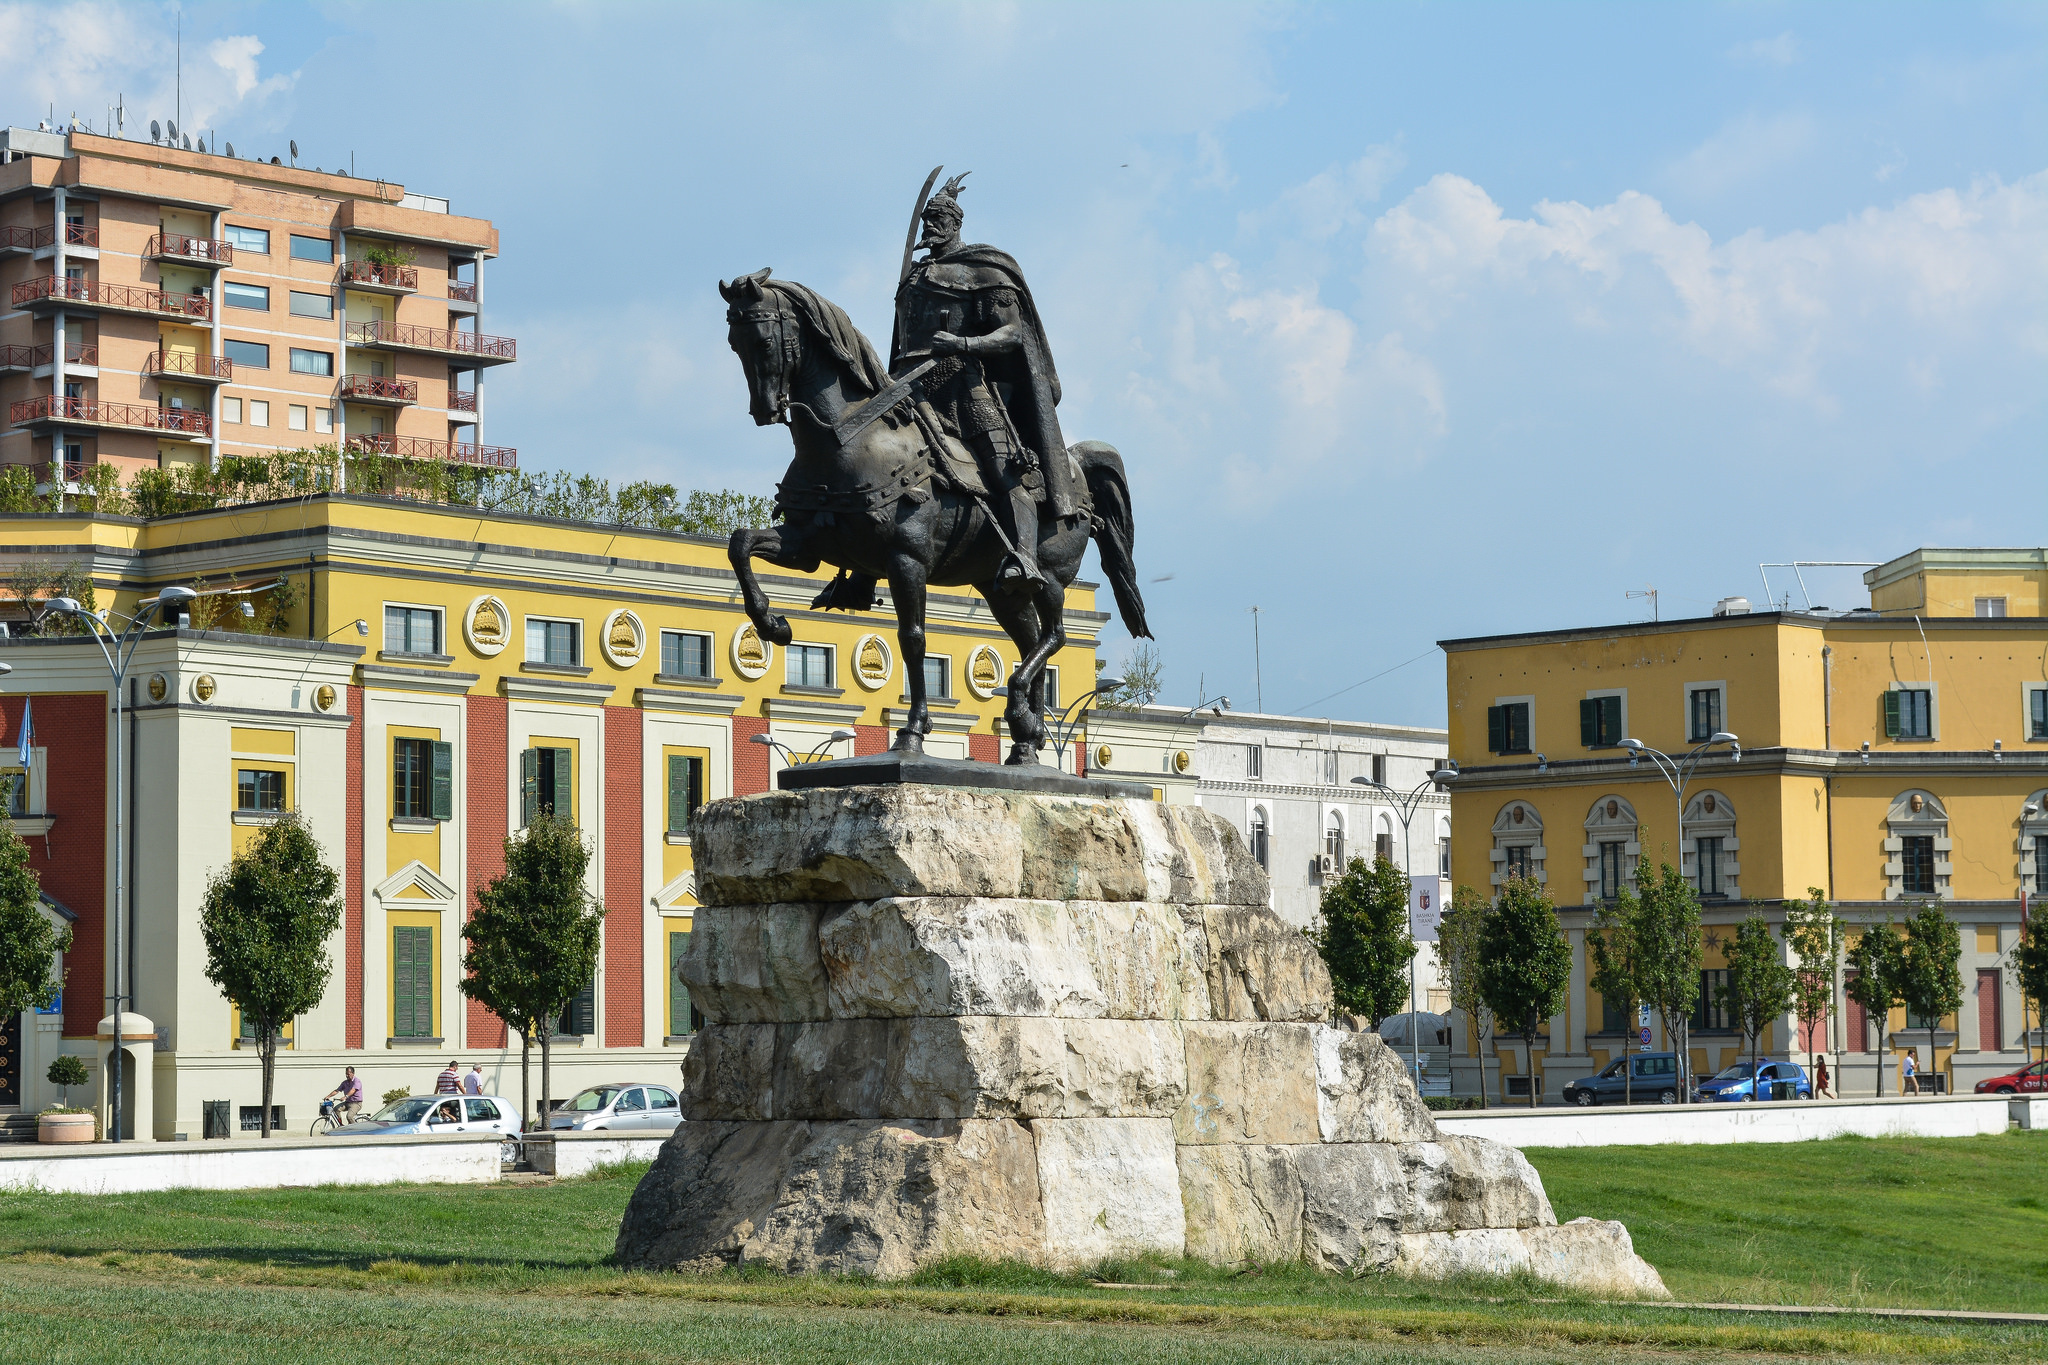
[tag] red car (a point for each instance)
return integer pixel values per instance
(2026, 1081)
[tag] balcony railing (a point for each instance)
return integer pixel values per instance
(177, 246)
(126, 297)
(75, 234)
(377, 389)
(439, 452)
(429, 339)
(185, 421)
(17, 238)
(465, 292)
(18, 357)
(46, 473)
(174, 364)
(381, 276)
(459, 401)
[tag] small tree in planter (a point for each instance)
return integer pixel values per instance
(1362, 934)
(1528, 964)
(1878, 959)
(68, 1070)
(1760, 985)
(1815, 932)
(1929, 983)
(1616, 951)
(1459, 961)
(29, 943)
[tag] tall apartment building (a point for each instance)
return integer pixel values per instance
(167, 306)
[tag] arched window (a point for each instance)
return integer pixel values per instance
(1708, 853)
(2034, 845)
(1259, 836)
(1916, 847)
(1443, 847)
(1611, 849)
(1333, 839)
(1518, 844)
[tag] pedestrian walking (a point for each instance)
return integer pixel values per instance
(1909, 1072)
(1821, 1080)
(473, 1083)
(450, 1081)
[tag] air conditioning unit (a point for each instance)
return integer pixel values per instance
(1326, 867)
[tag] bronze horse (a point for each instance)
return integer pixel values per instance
(878, 490)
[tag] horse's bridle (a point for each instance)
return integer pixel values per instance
(784, 336)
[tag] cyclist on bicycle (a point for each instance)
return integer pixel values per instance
(347, 1098)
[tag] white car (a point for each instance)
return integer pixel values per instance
(623, 1107)
(418, 1115)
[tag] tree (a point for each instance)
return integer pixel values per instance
(1668, 952)
(1877, 959)
(1526, 963)
(1458, 963)
(1362, 933)
(1815, 933)
(35, 582)
(1615, 950)
(1144, 677)
(1760, 985)
(1929, 984)
(68, 1070)
(265, 921)
(532, 943)
(2029, 959)
(29, 942)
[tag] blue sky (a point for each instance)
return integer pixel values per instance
(1412, 321)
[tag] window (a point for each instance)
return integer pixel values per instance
(259, 412)
(553, 642)
(1710, 867)
(422, 779)
(1333, 841)
(2041, 864)
(546, 783)
(1614, 1016)
(312, 248)
(1517, 862)
(295, 417)
(682, 1017)
(685, 654)
(231, 410)
(1703, 714)
(483, 1111)
(1507, 728)
(1710, 1012)
(2037, 713)
(312, 362)
(305, 305)
(1613, 869)
(1259, 837)
(1383, 845)
(685, 791)
(247, 239)
(1443, 857)
(252, 1115)
(1254, 761)
(253, 354)
(1052, 689)
(412, 630)
(1379, 769)
(252, 296)
(579, 1016)
(1600, 722)
(808, 665)
(17, 791)
(323, 419)
(259, 789)
(1916, 864)
(1991, 606)
(412, 981)
(1330, 767)
(938, 677)
(1909, 713)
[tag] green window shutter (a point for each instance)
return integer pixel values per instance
(1496, 729)
(399, 755)
(443, 791)
(412, 985)
(2040, 700)
(401, 983)
(1589, 722)
(678, 993)
(678, 794)
(1610, 720)
(696, 786)
(1891, 715)
(565, 778)
(529, 785)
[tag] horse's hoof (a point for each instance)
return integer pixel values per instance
(777, 631)
(1021, 756)
(907, 742)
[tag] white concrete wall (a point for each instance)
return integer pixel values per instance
(102, 1169)
(1779, 1121)
(582, 1153)
(2029, 1114)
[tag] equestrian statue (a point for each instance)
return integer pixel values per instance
(947, 467)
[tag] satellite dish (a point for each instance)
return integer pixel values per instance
(171, 131)
(295, 151)
(202, 143)
(156, 131)
(188, 142)
(275, 161)
(231, 149)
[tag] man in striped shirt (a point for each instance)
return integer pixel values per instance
(450, 1082)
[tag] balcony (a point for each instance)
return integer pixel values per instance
(47, 412)
(474, 347)
(75, 234)
(17, 241)
(205, 252)
(436, 452)
(370, 388)
(196, 369)
(460, 292)
(51, 293)
(16, 358)
(458, 401)
(380, 279)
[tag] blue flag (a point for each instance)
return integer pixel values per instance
(28, 731)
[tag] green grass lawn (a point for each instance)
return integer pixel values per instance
(520, 1272)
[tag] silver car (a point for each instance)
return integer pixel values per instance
(428, 1115)
(623, 1107)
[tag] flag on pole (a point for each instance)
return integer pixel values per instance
(28, 730)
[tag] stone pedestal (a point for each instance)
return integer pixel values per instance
(1052, 1028)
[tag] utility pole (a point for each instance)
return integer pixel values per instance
(1258, 675)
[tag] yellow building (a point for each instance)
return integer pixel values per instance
(436, 675)
(1889, 756)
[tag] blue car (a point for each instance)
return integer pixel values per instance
(1734, 1084)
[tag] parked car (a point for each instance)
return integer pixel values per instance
(2028, 1080)
(432, 1114)
(1655, 1082)
(1733, 1084)
(620, 1107)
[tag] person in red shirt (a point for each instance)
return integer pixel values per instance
(450, 1082)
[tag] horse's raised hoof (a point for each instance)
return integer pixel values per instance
(776, 629)
(907, 742)
(1021, 755)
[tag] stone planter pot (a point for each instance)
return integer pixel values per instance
(64, 1128)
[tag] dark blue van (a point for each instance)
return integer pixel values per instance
(1655, 1082)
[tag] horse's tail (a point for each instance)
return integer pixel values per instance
(1103, 468)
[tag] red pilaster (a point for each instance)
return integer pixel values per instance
(625, 967)
(749, 760)
(352, 878)
(984, 748)
(485, 794)
(73, 861)
(870, 739)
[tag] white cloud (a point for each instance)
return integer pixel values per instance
(1742, 150)
(1338, 198)
(1782, 50)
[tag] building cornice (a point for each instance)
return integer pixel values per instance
(525, 687)
(1860, 620)
(1779, 762)
(689, 703)
(1353, 793)
(419, 679)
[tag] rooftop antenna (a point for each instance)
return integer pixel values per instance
(1258, 675)
(181, 67)
(121, 115)
(1650, 593)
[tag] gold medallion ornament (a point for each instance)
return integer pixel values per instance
(751, 654)
(984, 672)
(624, 638)
(1103, 754)
(159, 687)
(487, 625)
(1181, 761)
(323, 696)
(203, 687)
(873, 662)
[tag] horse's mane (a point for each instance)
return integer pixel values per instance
(833, 327)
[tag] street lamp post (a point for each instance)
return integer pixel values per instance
(1404, 806)
(119, 651)
(1064, 723)
(790, 756)
(1678, 772)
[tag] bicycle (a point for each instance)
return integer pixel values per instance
(331, 1119)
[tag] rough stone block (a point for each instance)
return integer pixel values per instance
(1243, 1203)
(1364, 1093)
(1109, 1187)
(1259, 968)
(862, 1198)
(1353, 1196)
(958, 955)
(1494, 1186)
(1146, 958)
(1586, 1255)
(1225, 871)
(1079, 850)
(1248, 1083)
(749, 963)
